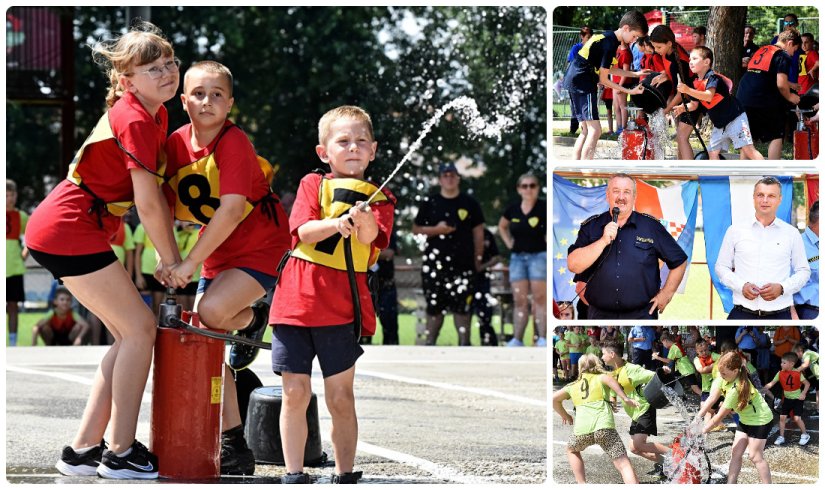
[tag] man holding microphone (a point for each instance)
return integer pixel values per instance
(617, 254)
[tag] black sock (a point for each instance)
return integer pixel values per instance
(233, 434)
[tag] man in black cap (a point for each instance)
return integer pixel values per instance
(618, 257)
(454, 226)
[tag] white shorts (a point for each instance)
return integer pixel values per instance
(737, 132)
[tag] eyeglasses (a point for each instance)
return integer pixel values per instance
(528, 186)
(157, 71)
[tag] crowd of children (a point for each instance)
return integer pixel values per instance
(775, 75)
(722, 378)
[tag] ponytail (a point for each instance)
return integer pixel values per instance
(732, 361)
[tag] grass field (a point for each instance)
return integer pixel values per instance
(406, 330)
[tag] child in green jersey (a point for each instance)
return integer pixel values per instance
(755, 417)
(809, 366)
(564, 354)
(594, 422)
(593, 348)
(631, 378)
(683, 365)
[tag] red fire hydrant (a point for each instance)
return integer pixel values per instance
(187, 394)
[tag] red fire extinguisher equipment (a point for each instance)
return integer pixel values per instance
(187, 393)
(806, 140)
(690, 474)
(637, 140)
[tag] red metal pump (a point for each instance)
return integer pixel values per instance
(187, 394)
(690, 474)
(637, 140)
(806, 140)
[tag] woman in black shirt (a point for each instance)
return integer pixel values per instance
(523, 228)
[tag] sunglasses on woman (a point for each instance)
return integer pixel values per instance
(528, 186)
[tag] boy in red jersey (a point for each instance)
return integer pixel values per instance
(15, 258)
(321, 305)
(220, 184)
(61, 326)
(792, 398)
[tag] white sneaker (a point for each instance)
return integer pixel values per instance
(779, 441)
(804, 438)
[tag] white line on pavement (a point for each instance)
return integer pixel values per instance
(448, 386)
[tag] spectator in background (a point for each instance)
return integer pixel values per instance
(482, 304)
(566, 310)
(763, 353)
(806, 301)
(808, 64)
(791, 21)
(641, 338)
(749, 47)
(145, 259)
(585, 33)
(15, 258)
(454, 226)
(523, 228)
(747, 341)
(186, 236)
(784, 341)
(387, 293)
(61, 326)
(700, 34)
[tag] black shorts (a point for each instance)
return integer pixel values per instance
(645, 424)
(449, 291)
(153, 284)
(294, 348)
(191, 289)
(61, 338)
(755, 431)
(688, 381)
(73, 265)
(15, 292)
(767, 124)
(788, 405)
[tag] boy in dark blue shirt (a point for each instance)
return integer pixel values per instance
(590, 67)
(712, 90)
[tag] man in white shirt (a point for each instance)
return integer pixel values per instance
(763, 260)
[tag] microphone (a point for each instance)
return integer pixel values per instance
(615, 213)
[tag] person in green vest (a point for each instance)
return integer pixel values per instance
(594, 423)
(683, 365)
(564, 355)
(632, 378)
(576, 342)
(145, 263)
(15, 258)
(593, 348)
(809, 367)
(755, 417)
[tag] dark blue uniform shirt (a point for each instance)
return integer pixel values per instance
(629, 276)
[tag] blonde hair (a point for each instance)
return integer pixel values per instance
(590, 364)
(209, 66)
(144, 43)
(342, 112)
(732, 361)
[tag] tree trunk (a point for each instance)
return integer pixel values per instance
(726, 29)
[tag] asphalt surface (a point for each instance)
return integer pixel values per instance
(427, 415)
(789, 463)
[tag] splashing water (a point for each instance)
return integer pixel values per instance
(662, 144)
(467, 111)
(687, 462)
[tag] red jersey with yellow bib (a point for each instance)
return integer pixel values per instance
(83, 211)
(314, 287)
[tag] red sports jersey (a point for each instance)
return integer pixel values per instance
(806, 62)
(790, 380)
(258, 242)
(62, 223)
(311, 295)
(62, 325)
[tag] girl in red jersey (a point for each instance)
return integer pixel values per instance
(116, 168)
(61, 326)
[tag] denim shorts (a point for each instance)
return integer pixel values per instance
(265, 280)
(528, 266)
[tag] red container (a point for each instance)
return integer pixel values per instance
(637, 144)
(690, 474)
(802, 150)
(187, 393)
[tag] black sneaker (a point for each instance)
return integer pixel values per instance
(347, 478)
(241, 356)
(139, 464)
(236, 459)
(73, 464)
(296, 478)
